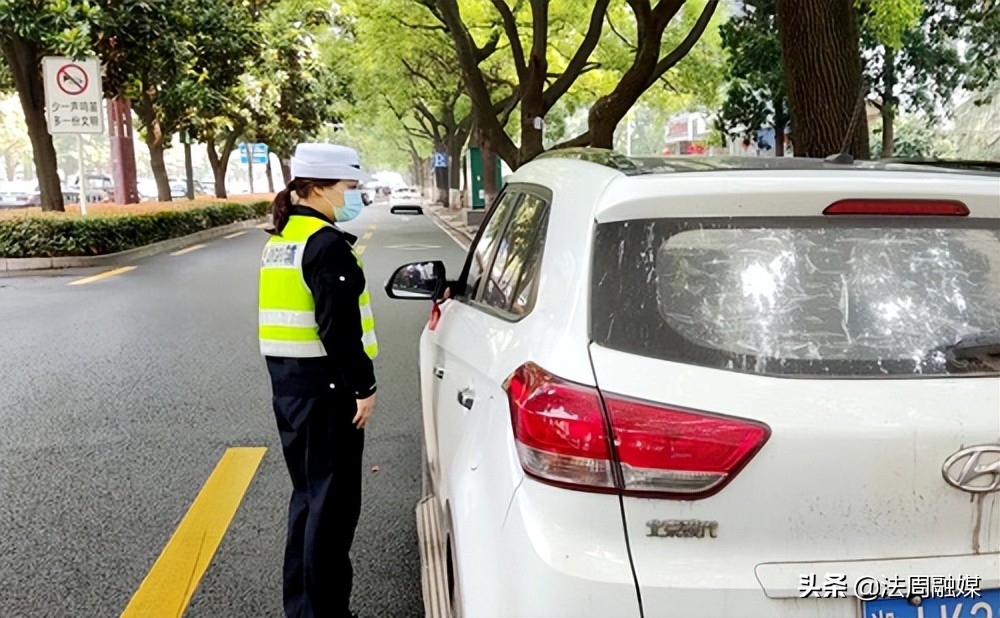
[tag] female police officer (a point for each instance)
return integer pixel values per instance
(317, 334)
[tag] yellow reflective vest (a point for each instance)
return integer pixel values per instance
(286, 309)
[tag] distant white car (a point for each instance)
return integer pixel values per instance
(406, 199)
(716, 387)
(19, 194)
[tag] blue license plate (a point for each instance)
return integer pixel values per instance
(986, 606)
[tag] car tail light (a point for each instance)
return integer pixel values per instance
(666, 450)
(561, 431)
(947, 208)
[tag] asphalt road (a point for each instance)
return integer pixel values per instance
(119, 397)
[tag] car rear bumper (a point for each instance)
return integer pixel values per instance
(774, 590)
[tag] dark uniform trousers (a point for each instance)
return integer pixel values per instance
(322, 449)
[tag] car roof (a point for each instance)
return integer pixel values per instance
(645, 165)
(612, 186)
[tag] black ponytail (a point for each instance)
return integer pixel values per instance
(281, 207)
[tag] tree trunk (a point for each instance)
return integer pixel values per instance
(218, 172)
(154, 142)
(888, 103)
(780, 124)
(489, 172)
(220, 159)
(284, 162)
(123, 170)
(270, 175)
(23, 58)
(159, 168)
(440, 175)
(11, 165)
(286, 171)
(455, 145)
(823, 77)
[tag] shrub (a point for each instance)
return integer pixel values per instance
(102, 234)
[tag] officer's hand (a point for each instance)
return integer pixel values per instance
(365, 407)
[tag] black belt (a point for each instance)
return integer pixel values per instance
(315, 361)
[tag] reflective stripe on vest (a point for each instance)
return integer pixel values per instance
(286, 309)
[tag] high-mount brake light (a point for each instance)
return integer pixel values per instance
(897, 207)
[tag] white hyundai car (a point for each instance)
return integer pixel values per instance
(716, 387)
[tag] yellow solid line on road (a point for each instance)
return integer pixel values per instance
(359, 249)
(170, 584)
(235, 234)
(188, 250)
(110, 273)
(366, 236)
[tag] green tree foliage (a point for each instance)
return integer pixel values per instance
(977, 125)
(888, 21)
(756, 94)
(296, 81)
(179, 62)
(951, 44)
(917, 54)
(416, 80)
(550, 46)
(30, 30)
(15, 146)
(6, 80)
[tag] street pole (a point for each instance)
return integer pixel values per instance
(82, 177)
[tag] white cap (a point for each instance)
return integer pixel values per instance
(327, 161)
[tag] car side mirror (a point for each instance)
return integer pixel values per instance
(417, 280)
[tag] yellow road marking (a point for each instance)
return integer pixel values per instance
(170, 584)
(366, 236)
(105, 275)
(235, 234)
(188, 250)
(359, 249)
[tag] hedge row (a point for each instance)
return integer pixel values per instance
(100, 235)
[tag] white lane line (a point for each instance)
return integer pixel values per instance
(461, 240)
(235, 234)
(188, 250)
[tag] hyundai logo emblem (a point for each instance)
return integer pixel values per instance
(975, 469)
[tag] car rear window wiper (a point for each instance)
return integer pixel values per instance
(976, 346)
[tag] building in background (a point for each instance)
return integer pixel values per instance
(688, 133)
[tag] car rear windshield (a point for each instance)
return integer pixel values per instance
(800, 297)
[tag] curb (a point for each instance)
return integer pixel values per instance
(124, 257)
(432, 209)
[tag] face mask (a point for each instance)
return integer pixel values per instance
(353, 205)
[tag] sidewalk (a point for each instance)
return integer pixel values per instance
(453, 219)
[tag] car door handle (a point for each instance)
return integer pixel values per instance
(439, 372)
(467, 397)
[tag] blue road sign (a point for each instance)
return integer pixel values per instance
(260, 153)
(440, 159)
